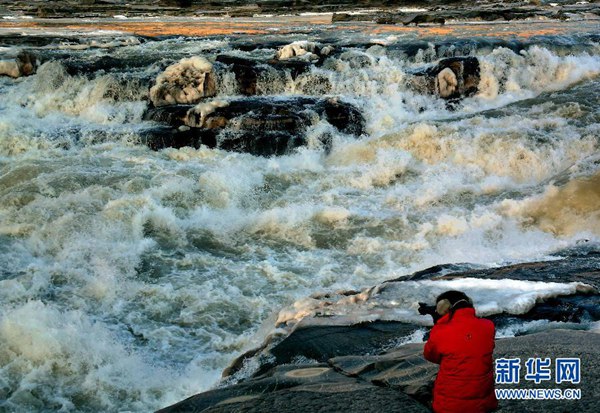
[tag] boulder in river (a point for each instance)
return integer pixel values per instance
(185, 82)
(452, 78)
(248, 71)
(258, 125)
(303, 50)
(25, 64)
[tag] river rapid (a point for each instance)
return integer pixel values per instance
(129, 278)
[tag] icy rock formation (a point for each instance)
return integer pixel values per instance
(303, 50)
(185, 82)
(24, 64)
(452, 78)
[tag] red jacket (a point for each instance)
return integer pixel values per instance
(463, 348)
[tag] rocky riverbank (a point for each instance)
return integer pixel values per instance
(399, 380)
(332, 359)
(385, 12)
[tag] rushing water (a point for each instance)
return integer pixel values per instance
(129, 278)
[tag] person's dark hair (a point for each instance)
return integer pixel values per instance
(457, 300)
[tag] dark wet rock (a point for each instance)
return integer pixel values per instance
(403, 369)
(24, 64)
(10, 39)
(417, 19)
(300, 388)
(184, 83)
(320, 339)
(348, 17)
(176, 3)
(249, 71)
(483, 12)
(452, 78)
(321, 342)
(27, 63)
(398, 380)
(578, 266)
(244, 8)
(261, 126)
(91, 66)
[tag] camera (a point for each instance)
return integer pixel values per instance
(425, 309)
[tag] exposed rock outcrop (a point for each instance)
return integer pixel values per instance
(109, 8)
(259, 125)
(577, 265)
(480, 11)
(248, 72)
(399, 380)
(300, 388)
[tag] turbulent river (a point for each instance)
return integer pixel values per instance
(129, 278)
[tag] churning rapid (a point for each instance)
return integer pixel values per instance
(130, 278)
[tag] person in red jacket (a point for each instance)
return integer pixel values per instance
(462, 344)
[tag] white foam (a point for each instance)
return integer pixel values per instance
(65, 360)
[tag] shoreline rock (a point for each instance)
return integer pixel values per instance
(473, 12)
(372, 352)
(399, 380)
(244, 8)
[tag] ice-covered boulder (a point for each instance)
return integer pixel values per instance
(185, 82)
(452, 78)
(303, 50)
(24, 64)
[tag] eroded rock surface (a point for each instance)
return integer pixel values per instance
(300, 388)
(399, 380)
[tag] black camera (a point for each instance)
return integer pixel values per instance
(425, 309)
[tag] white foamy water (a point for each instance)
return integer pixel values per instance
(130, 278)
